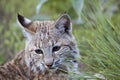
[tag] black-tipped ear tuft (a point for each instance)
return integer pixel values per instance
(21, 19)
(24, 21)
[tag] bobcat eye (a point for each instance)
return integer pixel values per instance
(75, 61)
(38, 51)
(56, 48)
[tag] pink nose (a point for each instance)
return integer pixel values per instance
(49, 62)
(49, 65)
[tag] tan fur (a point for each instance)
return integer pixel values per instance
(49, 64)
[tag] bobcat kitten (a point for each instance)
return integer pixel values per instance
(50, 52)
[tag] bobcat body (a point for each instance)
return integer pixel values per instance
(50, 52)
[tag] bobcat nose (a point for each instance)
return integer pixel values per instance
(49, 63)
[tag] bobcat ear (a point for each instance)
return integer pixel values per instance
(24, 21)
(28, 29)
(63, 24)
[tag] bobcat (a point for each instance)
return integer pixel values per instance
(50, 52)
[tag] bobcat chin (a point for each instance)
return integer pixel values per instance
(50, 52)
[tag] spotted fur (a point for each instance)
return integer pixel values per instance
(50, 52)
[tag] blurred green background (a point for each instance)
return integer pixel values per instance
(96, 26)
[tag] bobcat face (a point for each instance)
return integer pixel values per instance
(49, 44)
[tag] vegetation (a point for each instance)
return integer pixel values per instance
(98, 37)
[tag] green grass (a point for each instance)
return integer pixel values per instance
(99, 43)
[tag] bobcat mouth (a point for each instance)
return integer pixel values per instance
(58, 68)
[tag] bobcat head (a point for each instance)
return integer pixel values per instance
(49, 44)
